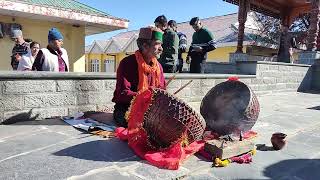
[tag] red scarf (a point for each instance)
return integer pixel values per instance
(144, 69)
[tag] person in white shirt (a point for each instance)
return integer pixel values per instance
(25, 64)
(53, 57)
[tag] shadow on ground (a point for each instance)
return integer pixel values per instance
(294, 169)
(29, 118)
(263, 147)
(111, 150)
(21, 117)
(314, 108)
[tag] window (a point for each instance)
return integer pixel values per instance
(109, 65)
(94, 65)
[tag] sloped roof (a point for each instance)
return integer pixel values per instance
(67, 5)
(119, 41)
(98, 46)
(64, 11)
(103, 43)
(223, 28)
(87, 48)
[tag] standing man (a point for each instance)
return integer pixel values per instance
(169, 56)
(54, 57)
(182, 44)
(138, 72)
(20, 48)
(202, 43)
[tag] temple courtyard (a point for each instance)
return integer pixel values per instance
(51, 149)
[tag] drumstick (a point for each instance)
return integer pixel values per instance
(183, 87)
(171, 78)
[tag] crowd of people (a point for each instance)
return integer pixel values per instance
(28, 56)
(175, 43)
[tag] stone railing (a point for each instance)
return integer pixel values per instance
(220, 68)
(39, 95)
(274, 76)
(234, 57)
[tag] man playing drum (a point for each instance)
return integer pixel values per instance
(138, 72)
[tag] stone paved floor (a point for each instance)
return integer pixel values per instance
(49, 149)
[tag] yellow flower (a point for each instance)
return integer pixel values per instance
(221, 163)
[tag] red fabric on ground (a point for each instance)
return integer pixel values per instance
(121, 133)
(169, 158)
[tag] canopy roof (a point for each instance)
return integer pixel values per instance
(275, 8)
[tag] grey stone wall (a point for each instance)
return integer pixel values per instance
(220, 68)
(308, 57)
(234, 57)
(39, 95)
(316, 75)
(283, 77)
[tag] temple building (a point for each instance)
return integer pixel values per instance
(286, 11)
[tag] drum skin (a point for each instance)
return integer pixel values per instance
(168, 119)
(230, 107)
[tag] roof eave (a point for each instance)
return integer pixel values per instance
(94, 24)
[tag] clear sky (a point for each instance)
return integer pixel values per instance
(143, 12)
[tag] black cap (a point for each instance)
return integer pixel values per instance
(161, 19)
(194, 20)
(172, 23)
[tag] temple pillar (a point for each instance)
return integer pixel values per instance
(244, 6)
(283, 52)
(314, 26)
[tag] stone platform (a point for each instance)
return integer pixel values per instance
(50, 149)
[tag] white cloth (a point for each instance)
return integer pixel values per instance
(26, 62)
(51, 60)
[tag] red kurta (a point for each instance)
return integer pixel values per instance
(128, 79)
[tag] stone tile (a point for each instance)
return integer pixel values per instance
(201, 175)
(112, 150)
(296, 168)
(110, 85)
(290, 122)
(28, 143)
(30, 86)
(11, 103)
(45, 165)
(49, 100)
(104, 174)
(300, 150)
(128, 162)
(238, 171)
(264, 159)
(90, 85)
(196, 163)
(148, 171)
(66, 85)
(310, 171)
(75, 109)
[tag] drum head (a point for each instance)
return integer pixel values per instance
(225, 108)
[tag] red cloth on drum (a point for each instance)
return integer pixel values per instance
(168, 158)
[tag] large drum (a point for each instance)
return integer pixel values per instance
(168, 120)
(230, 108)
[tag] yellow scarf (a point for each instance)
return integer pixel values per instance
(144, 69)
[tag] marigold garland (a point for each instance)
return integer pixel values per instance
(245, 158)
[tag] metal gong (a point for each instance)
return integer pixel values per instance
(230, 108)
